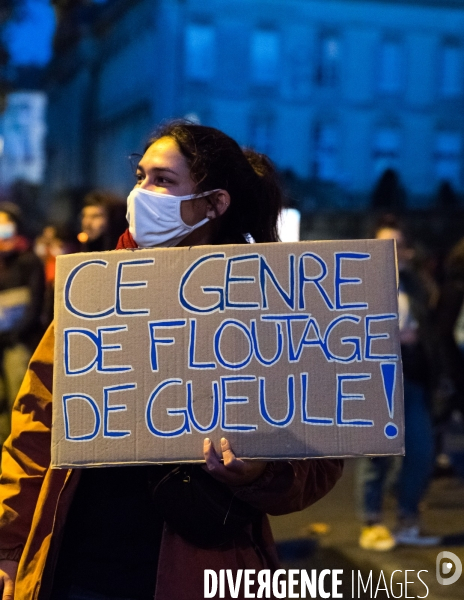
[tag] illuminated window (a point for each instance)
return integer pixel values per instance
(451, 71)
(390, 67)
(326, 152)
(262, 134)
(386, 150)
(199, 52)
(448, 157)
(265, 57)
(328, 71)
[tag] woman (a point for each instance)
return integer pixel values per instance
(194, 186)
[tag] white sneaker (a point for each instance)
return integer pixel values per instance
(376, 537)
(411, 536)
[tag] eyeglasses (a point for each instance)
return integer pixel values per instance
(134, 160)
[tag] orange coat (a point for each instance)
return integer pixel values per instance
(34, 501)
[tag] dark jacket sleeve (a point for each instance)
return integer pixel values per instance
(289, 486)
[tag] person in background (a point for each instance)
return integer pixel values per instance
(449, 411)
(414, 307)
(54, 241)
(103, 220)
(21, 300)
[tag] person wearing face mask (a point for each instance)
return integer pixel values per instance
(98, 533)
(21, 299)
(418, 355)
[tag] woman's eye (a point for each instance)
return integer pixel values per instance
(162, 181)
(158, 181)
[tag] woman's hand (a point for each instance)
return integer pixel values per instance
(8, 570)
(233, 470)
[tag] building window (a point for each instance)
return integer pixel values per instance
(199, 52)
(390, 67)
(297, 76)
(326, 138)
(262, 134)
(451, 71)
(386, 150)
(265, 57)
(23, 130)
(448, 157)
(328, 70)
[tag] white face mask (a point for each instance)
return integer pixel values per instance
(7, 230)
(154, 219)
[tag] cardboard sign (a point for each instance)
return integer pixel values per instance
(288, 350)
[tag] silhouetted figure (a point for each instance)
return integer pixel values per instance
(446, 196)
(388, 194)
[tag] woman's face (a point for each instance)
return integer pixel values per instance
(163, 169)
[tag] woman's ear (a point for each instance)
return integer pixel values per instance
(218, 203)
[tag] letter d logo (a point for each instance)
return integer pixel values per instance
(445, 568)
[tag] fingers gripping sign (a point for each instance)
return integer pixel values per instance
(230, 470)
(8, 570)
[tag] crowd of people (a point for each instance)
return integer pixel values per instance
(209, 191)
(27, 275)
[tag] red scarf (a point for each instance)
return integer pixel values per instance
(16, 244)
(126, 241)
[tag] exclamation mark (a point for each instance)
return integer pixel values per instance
(388, 370)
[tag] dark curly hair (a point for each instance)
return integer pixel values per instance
(216, 161)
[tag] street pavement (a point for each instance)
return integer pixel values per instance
(325, 536)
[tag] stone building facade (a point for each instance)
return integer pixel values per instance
(336, 91)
